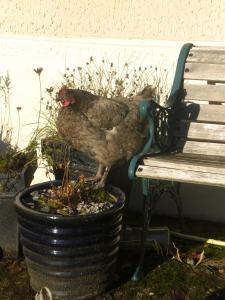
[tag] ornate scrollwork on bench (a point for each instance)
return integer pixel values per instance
(162, 118)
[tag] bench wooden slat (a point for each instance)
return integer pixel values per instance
(202, 112)
(207, 56)
(181, 175)
(202, 148)
(205, 92)
(201, 131)
(201, 71)
(189, 157)
(208, 48)
(198, 144)
(176, 162)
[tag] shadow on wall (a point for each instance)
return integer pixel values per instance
(199, 202)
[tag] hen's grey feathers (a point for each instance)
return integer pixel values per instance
(107, 130)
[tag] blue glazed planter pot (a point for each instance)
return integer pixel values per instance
(74, 256)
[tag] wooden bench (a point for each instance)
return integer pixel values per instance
(189, 130)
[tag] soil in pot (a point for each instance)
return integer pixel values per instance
(74, 255)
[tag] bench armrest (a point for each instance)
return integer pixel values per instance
(177, 87)
(159, 132)
(159, 121)
(144, 114)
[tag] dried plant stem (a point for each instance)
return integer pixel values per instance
(19, 126)
(40, 101)
(5, 109)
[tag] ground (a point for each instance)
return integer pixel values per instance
(165, 278)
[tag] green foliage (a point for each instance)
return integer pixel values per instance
(105, 79)
(5, 113)
(55, 151)
(108, 80)
(12, 159)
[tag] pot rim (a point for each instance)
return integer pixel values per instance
(20, 207)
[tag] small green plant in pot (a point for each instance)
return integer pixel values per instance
(78, 197)
(70, 233)
(15, 164)
(17, 168)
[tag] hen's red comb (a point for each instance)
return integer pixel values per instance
(62, 91)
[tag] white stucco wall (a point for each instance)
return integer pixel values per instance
(142, 19)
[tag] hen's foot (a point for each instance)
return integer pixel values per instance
(93, 179)
(99, 180)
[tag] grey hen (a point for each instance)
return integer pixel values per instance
(108, 131)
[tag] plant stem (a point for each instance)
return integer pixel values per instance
(40, 101)
(19, 125)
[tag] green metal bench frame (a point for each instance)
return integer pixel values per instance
(146, 108)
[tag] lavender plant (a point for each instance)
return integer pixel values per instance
(104, 79)
(12, 159)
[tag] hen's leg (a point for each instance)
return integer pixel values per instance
(100, 177)
(100, 171)
(102, 181)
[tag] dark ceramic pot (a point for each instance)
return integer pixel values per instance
(74, 256)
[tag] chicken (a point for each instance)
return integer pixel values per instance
(108, 131)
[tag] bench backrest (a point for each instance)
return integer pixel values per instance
(200, 114)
